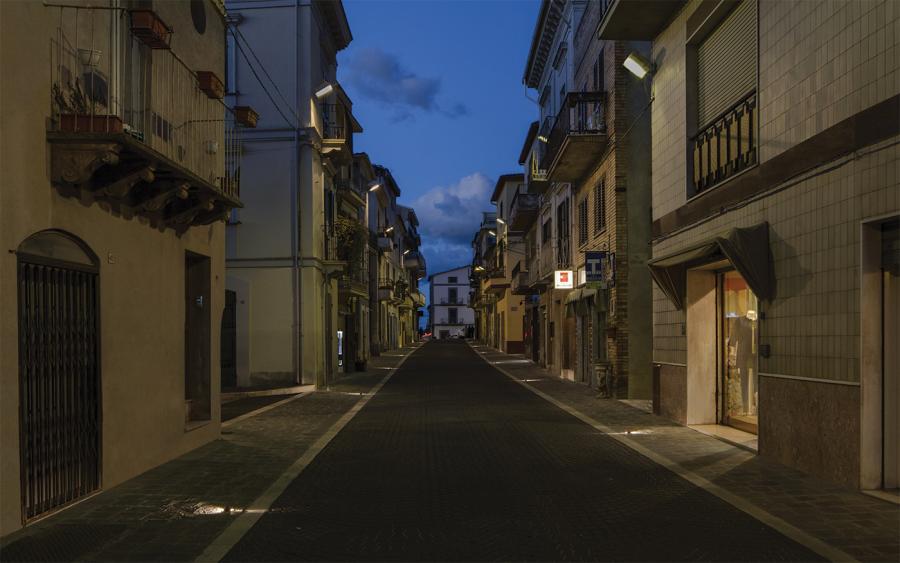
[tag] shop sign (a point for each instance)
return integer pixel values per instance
(563, 279)
(600, 267)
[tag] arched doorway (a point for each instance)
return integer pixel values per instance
(59, 371)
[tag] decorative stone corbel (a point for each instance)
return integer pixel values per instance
(73, 164)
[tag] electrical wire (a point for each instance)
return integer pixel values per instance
(295, 124)
(234, 28)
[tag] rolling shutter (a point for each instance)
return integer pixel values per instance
(726, 63)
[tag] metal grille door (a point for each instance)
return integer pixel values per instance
(59, 384)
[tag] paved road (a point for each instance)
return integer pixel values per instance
(451, 460)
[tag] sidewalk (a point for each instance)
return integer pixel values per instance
(863, 527)
(174, 511)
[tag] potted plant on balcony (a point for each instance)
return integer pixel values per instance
(351, 239)
(209, 84)
(150, 30)
(80, 113)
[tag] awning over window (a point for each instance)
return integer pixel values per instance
(746, 248)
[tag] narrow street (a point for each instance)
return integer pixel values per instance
(449, 451)
(452, 460)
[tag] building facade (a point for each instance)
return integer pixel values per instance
(449, 314)
(283, 261)
(587, 195)
(775, 208)
(114, 199)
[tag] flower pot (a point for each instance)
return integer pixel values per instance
(152, 31)
(210, 84)
(81, 123)
(246, 116)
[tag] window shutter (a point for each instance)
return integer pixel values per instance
(726, 63)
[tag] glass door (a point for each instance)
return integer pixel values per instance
(740, 355)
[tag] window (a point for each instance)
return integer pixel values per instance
(563, 226)
(452, 295)
(600, 207)
(726, 119)
(583, 221)
(452, 315)
(599, 71)
(546, 231)
(726, 63)
(451, 279)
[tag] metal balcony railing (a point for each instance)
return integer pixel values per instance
(334, 122)
(110, 83)
(582, 113)
(727, 145)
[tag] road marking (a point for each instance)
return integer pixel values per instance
(261, 410)
(229, 537)
(810, 542)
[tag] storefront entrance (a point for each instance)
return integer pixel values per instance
(740, 354)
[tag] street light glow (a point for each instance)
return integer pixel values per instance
(324, 90)
(638, 65)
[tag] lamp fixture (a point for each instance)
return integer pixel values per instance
(501, 221)
(543, 139)
(492, 233)
(388, 230)
(638, 65)
(374, 186)
(405, 252)
(324, 90)
(479, 268)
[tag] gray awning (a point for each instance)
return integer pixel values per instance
(746, 248)
(578, 300)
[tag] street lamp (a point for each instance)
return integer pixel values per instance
(324, 90)
(638, 65)
(374, 185)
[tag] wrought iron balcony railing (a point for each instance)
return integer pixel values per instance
(176, 111)
(334, 122)
(726, 146)
(582, 113)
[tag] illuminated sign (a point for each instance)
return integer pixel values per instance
(563, 279)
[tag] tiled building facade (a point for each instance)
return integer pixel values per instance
(820, 190)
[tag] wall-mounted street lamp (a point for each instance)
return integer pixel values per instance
(492, 233)
(405, 252)
(638, 65)
(324, 90)
(543, 139)
(374, 185)
(479, 268)
(388, 230)
(501, 221)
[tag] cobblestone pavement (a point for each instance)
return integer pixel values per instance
(172, 512)
(452, 460)
(240, 407)
(863, 527)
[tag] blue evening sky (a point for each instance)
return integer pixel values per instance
(437, 86)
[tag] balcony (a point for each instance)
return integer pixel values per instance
(414, 261)
(355, 282)
(636, 19)
(563, 253)
(168, 151)
(350, 191)
(336, 126)
(523, 211)
(577, 138)
(726, 146)
(385, 244)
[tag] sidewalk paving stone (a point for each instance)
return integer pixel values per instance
(172, 512)
(862, 526)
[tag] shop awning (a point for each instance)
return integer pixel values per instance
(746, 248)
(578, 300)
